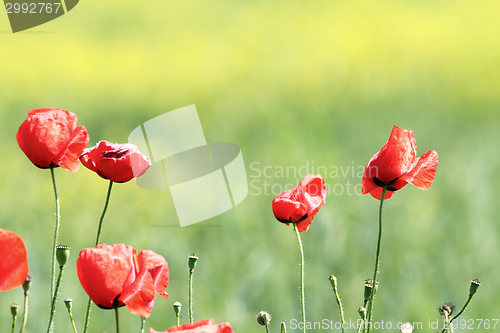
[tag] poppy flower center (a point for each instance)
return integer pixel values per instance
(380, 183)
(118, 153)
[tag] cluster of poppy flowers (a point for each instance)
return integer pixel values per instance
(394, 166)
(115, 275)
(112, 275)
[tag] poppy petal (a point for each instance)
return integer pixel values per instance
(68, 158)
(139, 296)
(286, 210)
(377, 193)
(158, 267)
(104, 273)
(422, 175)
(13, 260)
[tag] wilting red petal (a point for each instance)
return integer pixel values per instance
(104, 271)
(48, 137)
(422, 175)
(158, 268)
(139, 296)
(117, 162)
(200, 326)
(13, 260)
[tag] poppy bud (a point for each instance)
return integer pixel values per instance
(474, 285)
(333, 281)
(177, 308)
(192, 262)
(447, 309)
(27, 284)
(263, 317)
(13, 309)
(62, 254)
(406, 328)
(368, 289)
(69, 303)
(362, 313)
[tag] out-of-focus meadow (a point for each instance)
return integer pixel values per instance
(294, 84)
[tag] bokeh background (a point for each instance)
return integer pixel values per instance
(294, 84)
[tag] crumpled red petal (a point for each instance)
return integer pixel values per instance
(422, 175)
(139, 296)
(13, 260)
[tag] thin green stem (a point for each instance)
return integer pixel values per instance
(267, 325)
(56, 233)
(99, 229)
(13, 323)
(190, 301)
(458, 314)
(98, 238)
(377, 260)
(283, 327)
(54, 300)
(178, 320)
(72, 321)
(87, 316)
(25, 311)
(341, 308)
(302, 293)
(117, 321)
(143, 321)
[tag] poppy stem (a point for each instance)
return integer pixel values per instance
(99, 229)
(302, 293)
(377, 261)
(190, 297)
(458, 314)
(333, 281)
(98, 238)
(26, 296)
(143, 320)
(54, 300)
(70, 313)
(267, 324)
(192, 259)
(56, 233)
(283, 327)
(117, 321)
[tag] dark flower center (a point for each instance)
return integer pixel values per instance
(118, 153)
(380, 183)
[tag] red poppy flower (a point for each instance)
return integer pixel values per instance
(396, 164)
(117, 162)
(300, 204)
(200, 326)
(13, 260)
(114, 276)
(50, 137)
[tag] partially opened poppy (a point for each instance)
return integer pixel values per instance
(200, 326)
(114, 276)
(396, 165)
(300, 204)
(50, 138)
(13, 260)
(117, 162)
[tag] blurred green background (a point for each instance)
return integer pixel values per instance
(294, 84)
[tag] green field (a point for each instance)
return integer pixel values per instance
(294, 84)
